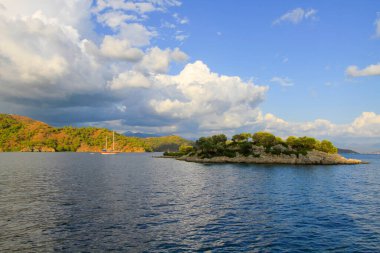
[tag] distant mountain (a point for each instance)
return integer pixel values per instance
(166, 143)
(346, 151)
(140, 135)
(19, 133)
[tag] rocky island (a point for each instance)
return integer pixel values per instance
(262, 148)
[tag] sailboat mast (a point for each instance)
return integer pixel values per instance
(113, 140)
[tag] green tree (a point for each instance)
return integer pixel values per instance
(264, 139)
(328, 147)
(212, 146)
(291, 141)
(307, 143)
(185, 149)
(303, 143)
(241, 137)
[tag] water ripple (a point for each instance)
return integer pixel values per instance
(81, 202)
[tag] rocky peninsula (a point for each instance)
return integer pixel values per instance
(262, 148)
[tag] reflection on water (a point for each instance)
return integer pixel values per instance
(133, 202)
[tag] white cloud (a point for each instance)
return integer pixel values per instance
(166, 24)
(72, 13)
(60, 61)
(366, 125)
(296, 16)
(180, 20)
(181, 37)
(157, 60)
(211, 100)
(120, 49)
(114, 19)
(53, 58)
(139, 8)
(137, 34)
(377, 25)
(283, 81)
(129, 79)
(371, 70)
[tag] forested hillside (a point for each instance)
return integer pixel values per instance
(19, 133)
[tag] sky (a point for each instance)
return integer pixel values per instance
(196, 68)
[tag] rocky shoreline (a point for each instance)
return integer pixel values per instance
(312, 158)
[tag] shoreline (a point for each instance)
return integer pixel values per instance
(312, 158)
(226, 160)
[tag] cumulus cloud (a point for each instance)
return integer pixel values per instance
(52, 61)
(129, 79)
(371, 70)
(365, 125)
(120, 49)
(115, 19)
(214, 101)
(283, 81)
(362, 133)
(157, 60)
(137, 34)
(296, 16)
(60, 61)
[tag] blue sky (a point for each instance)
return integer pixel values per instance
(314, 54)
(196, 67)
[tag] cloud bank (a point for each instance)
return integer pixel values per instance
(371, 70)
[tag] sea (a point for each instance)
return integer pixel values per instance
(83, 202)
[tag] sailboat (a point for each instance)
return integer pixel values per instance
(110, 152)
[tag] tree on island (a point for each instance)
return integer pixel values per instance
(246, 144)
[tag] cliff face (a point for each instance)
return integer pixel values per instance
(19, 133)
(313, 157)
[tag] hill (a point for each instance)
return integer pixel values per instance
(346, 151)
(19, 133)
(140, 135)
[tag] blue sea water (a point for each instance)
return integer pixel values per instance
(77, 202)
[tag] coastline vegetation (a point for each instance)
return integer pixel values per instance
(19, 133)
(246, 144)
